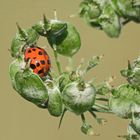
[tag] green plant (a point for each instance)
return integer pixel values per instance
(110, 15)
(63, 91)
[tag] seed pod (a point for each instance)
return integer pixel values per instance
(31, 87)
(23, 38)
(55, 105)
(78, 97)
(125, 101)
(63, 38)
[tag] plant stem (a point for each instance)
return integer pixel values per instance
(101, 106)
(70, 60)
(93, 114)
(94, 109)
(57, 62)
(56, 58)
(102, 99)
(83, 118)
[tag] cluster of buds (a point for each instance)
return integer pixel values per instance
(125, 100)
(67, 90)
(60, 91)
(110, 15)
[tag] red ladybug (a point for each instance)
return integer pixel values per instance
(39, 60)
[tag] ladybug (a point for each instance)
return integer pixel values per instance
(39, 60)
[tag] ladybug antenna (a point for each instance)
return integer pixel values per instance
(21, 31)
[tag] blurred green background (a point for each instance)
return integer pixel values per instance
(21, 120)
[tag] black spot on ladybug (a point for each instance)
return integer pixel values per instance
(34, 58)
(37, 64)
(49, 62)
(29, 51)
(34, 49)
(40, 53)
(42, 62)
(41, 71)
(32, 66)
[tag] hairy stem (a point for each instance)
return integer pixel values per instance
(83, 118)
(57, 62)
(101, 106)
(102, 99)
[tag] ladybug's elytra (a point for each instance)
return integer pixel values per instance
(39, 60)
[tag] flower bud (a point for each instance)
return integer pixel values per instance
(63, 38)
(54, 104)
(23, 38)
(87, 129)
(78, 97)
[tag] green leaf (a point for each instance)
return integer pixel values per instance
(19, 42)
(128, 8)
(32, 36)
(31, 87)
(94, 61)
(15, 66)
(57, 28)
(16, 46)
(39, 28)
(125, 100)
(110, 21)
